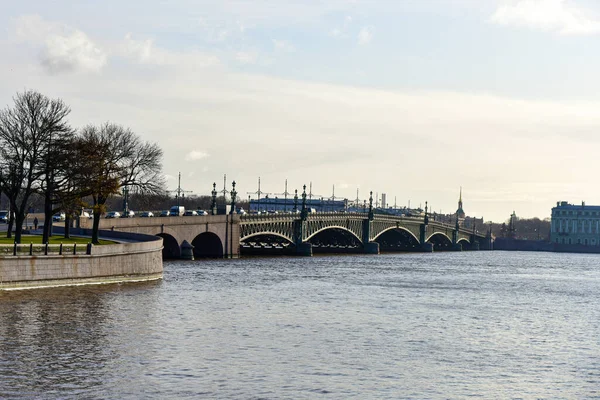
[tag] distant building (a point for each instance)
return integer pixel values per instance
(383, 200)
(272, 204)
(463, 220)
(575, 224)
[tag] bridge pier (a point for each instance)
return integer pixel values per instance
(371, 248)
(487, 244)
(427, 247)
(456, 247)
(304, 249)
(187, 251)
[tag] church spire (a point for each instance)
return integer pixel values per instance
(460, 212)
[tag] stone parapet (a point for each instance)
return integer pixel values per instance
(137, 260)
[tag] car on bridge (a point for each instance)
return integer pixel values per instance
(113, 214)
(177, 211)
(147, 214)
(59, 217)
(4, 215)
(128, 214)
(202, 212)
(165, 213)
(190, 213)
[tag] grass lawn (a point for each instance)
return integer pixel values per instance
(56, 239)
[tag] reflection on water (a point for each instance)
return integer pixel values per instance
(487, 324)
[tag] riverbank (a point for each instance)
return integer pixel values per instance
(542, 245)
(137, 258)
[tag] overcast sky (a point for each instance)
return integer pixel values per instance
(411, 98)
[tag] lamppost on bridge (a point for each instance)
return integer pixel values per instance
(426, 221)
(233, 197)
(295, 201)
(125, 201)
(371, 214)
(304, 212)
(213, 204)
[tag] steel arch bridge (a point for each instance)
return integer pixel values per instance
(363, 229)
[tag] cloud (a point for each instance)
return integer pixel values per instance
(365, 36)
(559, 16)
(196, 155)
(75, 52)
(340, 31)
(139, 49)
(246, 57)
(283, 46)
(62, 48)
(144, 51)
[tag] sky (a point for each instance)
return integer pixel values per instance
(412, 98)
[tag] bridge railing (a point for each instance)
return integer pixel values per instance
(45, 249)
(337, 214)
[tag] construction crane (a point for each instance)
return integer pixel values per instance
(179, 192)
(258, 193)
(357, 201)
(310, 193)
(285, 194)
(333, 198)
(224, 191)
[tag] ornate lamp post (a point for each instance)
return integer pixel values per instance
(125, 201)
(304, 212)
(296, 201)
(233, 197)
(213, 204)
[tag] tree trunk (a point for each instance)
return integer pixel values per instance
(19, 227)
(47, 231)
(68, 226)
(95, 228)
(11, 222)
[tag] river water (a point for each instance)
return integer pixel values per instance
(441, 325)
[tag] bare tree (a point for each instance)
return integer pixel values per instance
(26, 130)
(56, 181)
(111, 157)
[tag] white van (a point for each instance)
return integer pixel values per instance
(177, 211)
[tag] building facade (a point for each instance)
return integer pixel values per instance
(575, 224)
(274, 204)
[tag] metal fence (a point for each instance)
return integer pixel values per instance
(45, 249)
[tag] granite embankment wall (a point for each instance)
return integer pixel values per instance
(522, 245)
(542, 245)
(139, 259)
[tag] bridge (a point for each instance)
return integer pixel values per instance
(300, 233)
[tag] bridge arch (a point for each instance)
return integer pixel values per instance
(334, 239)
(463, 240)
(465, 243)
(397, 239)
(440, 241)
(171, 249)
(208, 245)
(266, 243)
(332, 227)
(397, 229)
(260, 234)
